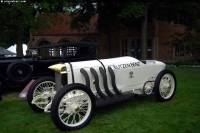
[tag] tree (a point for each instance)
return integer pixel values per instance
(137, 12)
(18, 18)
(15, 19)
(134, 11)
(109, 12)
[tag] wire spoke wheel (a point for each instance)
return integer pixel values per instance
(165, 85)
(41, 93)
(75, 107)
(72, 107)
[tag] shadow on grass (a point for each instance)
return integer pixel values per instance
(136, 101)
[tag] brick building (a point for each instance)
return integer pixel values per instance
(123, 40)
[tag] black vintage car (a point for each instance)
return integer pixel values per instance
(22, 70)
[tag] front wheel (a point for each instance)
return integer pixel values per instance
(40, 93)
(72, 107)
(165, 85)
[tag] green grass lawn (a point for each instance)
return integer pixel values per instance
(141, 115)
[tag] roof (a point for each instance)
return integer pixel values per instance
(69, 44)
(4, 51)
(60, 25)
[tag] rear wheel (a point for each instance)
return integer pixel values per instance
(72, 107)
(165, 85)
(19, 72)
(40, 93)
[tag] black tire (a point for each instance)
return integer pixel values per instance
(85, 107)
(165, 85)
(39, 86)
(19, 72)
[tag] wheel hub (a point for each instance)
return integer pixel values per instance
(166, 85)
(76, 109)
(45, 95)
(20, 72)
(72, 109)
(148, 88)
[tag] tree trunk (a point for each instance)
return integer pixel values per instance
(144, 37)
(19, 48)
(109, 39)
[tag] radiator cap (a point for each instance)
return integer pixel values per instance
(58, 68)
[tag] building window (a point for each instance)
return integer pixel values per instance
(68, 51)
(130, 46)
(136, 48)
(181, 50)
(124, 47)
(51, 52)
(133, 47)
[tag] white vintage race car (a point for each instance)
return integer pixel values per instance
(88, 84)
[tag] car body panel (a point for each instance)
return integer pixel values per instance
(96, 83)
(130, 73)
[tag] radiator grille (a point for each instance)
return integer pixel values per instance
(64, 79)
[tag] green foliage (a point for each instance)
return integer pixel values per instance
(7, 37)
(15, 16)
(140, 115)
(82, 15)
(108, 12)
(132, 10)
(132, 14)
(18, 18)
(184, 12)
